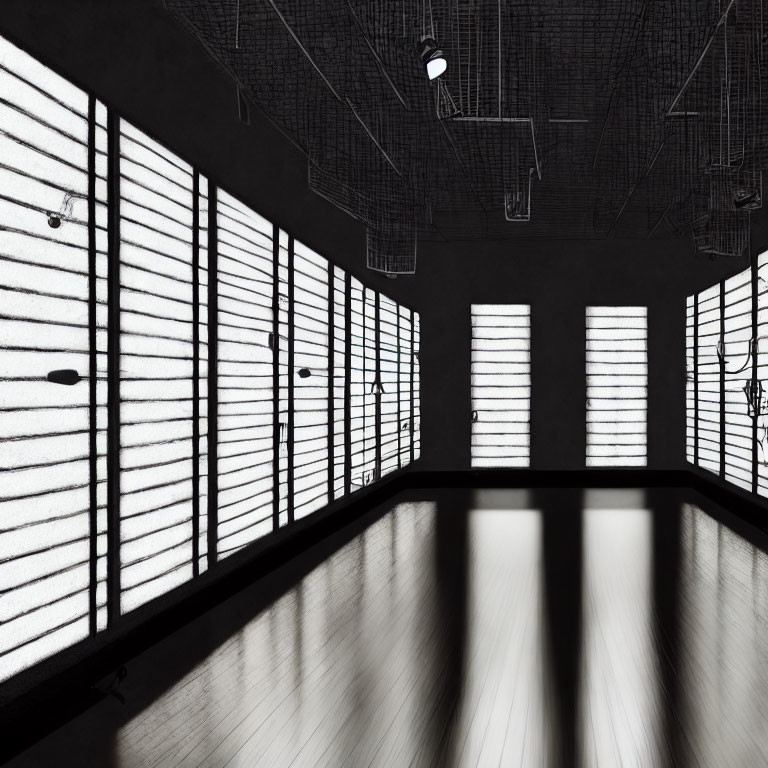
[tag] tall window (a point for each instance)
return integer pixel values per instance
(388, 379)
(708, 368)
(416, 390)
(690, 379)
(405, 367)
(738, 421)
(617, 386)
(157, 316)
(501, 385)
(245, 399)
(762, 371)
(339, 401)
(285, 378)
(362, 385)
(310, 381)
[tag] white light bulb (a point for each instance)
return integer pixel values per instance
(436, 67)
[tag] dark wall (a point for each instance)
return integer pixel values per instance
(134, 56)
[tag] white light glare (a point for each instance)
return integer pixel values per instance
(436, 67)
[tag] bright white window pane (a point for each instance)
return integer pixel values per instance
(102, 275)
(284, 375)
(244, 376)
(501, 385)
(339, 379)
(617, 386)
(310, 381)
(362, 380)
(156, 353)
(708, 367)
(416, 387)
(406, 361)
(202, 278)
(762, 370)
(388, 372)
(738, 422)
(690, 394)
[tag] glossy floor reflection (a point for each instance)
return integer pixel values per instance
(541, 628)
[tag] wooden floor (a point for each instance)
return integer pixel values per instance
(595, 628)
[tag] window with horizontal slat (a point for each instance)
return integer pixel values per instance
(617, 386)
(416, 387)
(45, 428)
(101, 386)
(284, 378)
(762, 371)
(708, 368)
(738, 370)
(245, 409)
(501, 385)
(202, 357)
(690, 373)
(362, 380)
(405, 363)
(339, 380)
(388, 378)
(310, 381)
(156, 368)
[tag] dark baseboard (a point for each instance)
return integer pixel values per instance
(539, 478)
(746, 506)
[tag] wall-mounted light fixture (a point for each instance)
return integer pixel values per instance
(55, 219)
(432, 57)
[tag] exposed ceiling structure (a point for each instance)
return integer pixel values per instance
(555, 118)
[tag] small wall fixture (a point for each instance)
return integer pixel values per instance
(55, 219)
(304, 373)
(432, 57)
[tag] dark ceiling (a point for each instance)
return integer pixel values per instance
(556, 118)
